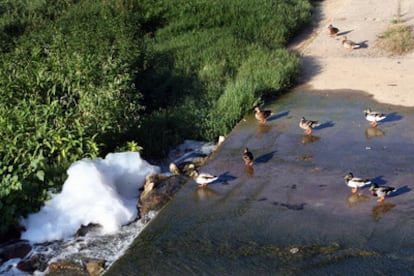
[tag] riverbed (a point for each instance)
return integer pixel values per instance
(293, 213)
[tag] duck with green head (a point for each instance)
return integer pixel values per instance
(381, 191)
(355, 182)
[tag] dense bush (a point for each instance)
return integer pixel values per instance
(203, 51)
(80, 78)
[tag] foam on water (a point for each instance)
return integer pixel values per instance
(101, 191)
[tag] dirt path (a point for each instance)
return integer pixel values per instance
(326, 65)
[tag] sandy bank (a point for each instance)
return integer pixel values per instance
(327, 65)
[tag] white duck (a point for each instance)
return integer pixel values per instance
(203, 179)
(355, 182)
(374, 116)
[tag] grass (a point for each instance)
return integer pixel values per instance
(397, 39)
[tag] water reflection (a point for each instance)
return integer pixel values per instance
(379, 210)
(371, 132)
(262, 129)
(354, 199)
(205, 193)
(307, 139)
(249, 170)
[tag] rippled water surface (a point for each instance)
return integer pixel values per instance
(293, 213)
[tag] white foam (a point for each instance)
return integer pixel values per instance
(102, 191)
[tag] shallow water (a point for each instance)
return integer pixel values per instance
(293, 213)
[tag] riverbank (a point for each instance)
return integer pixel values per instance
(326, 65)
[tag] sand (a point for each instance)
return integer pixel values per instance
(326, 65)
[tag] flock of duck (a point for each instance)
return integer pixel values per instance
(203, 179)
(346, 43)
(307, 125)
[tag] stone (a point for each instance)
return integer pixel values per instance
(33, 262)
(95, 267)
(15, 250)
(85, 229)
(66, 268)
(159, 193)
(174, 169)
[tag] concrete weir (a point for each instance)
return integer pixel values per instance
(292, 213)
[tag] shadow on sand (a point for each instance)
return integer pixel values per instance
(392, 117)
(265, 157)
(224, 178)
(278, 115)
(400, 191)
(325, 125)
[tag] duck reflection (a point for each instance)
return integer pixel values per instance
(307, 139)
(205, 194)
(379, 210)
(371, 132)
(249, 170)
(354, 199)
(262, 129)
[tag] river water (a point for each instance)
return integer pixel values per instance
(293, 213)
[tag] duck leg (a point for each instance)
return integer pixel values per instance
(381, 199)
(308, 131)
(248, 163)
(354, 190)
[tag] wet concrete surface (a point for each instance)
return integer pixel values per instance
(292, 213)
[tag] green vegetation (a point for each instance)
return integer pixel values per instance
(397, 39)
(81, 78)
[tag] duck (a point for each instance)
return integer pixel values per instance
(332, 31)
(349, 44)
(381, 191)
(355, 182)
(374, 116)
(308, 125)
(248, 157)
(262, 115)
(203, 178)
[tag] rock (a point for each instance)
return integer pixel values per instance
(85, 229)
(151, 182)
(158, 194)
(32, 263)
(95, 267)
(15, 250)
(174, 169)
(26, 266)
(63, 267)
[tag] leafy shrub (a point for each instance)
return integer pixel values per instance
(81, 78)
(66, 94)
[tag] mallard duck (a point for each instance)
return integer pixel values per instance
(355, 182)
(332, 31)
(381, 191)
(203, 179)
(373, 116)
(349, 44)
(262, 115)
(308, 125)
(247, 157)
